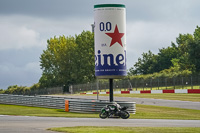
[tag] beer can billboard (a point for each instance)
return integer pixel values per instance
(110, 40)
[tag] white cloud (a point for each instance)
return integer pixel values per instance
(15, 36)
(19, 32)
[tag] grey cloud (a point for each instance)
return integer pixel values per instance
(162, 10)
(47, 8)
(19, 67)
(22, 76)
(153, 10)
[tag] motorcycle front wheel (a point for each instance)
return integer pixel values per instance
(103, 115)
(124, 115)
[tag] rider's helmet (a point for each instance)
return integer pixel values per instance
(117, 105)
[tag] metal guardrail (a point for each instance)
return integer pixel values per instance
(75, 105)
(96, 106)
(35, 101)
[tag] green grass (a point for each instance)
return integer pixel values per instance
(158, 112)
(37, 111)
(142, 112)
(172, 96)
(127, 129)
(168, 96)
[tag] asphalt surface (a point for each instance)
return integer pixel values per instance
(30, 124)
(146, 101)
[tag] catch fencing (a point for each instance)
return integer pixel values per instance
(190, 82)
(43, 91)
(75, 105)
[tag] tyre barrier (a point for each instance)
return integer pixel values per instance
(68, 104)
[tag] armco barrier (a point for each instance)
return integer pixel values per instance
(95, 106)
(67, 104)
(35, 101)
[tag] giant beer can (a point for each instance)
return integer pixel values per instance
(110, 40)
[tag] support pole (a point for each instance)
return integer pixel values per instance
(97, 89)
(111, 89)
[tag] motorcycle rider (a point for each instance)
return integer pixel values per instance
(117, 106)
(114, 110)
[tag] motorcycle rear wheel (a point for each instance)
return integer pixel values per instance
(124, 115)
(103, 115)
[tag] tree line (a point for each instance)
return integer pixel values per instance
(181, 58)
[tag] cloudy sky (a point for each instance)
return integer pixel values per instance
(25, 26)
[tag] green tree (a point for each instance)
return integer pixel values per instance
(165, 56)
(194, 48)
(56, 61)
(186, 54)
(68, 60)
(144, 64)
(183, 42)
(150, 63)
(1, 91)
(84, 58)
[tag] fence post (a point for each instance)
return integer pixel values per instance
(182, 83)
(131, 87)
(174, 82)
(136, 85)
(107, 85)
(191, 83)
(97, 89)
(143, 85)
(124, 85)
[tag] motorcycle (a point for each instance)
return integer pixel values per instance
(114, 111)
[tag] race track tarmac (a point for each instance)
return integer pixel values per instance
(31, 124)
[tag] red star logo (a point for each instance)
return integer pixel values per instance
(116, 36)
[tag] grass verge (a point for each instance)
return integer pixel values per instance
(168, 96)
(126, 129)
(182, 97)
(159, 112)
(142, 112)
(37, 111)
